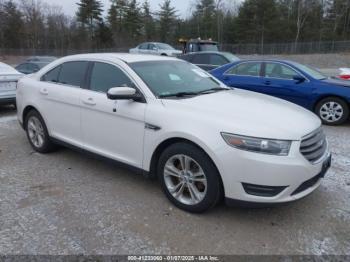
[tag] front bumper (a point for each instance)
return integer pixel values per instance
(7, 100)
(294, 175)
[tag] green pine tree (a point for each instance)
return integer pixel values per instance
(133, 20)
(148, 21)
(167, 21)
(89, 13)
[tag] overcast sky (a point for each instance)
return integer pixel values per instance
(70, 7)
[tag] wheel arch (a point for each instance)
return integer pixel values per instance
(26, 110)
(170, 141)
(29, 108)
(321, 97)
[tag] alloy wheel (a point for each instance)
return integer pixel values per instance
(185, 180)
(331, 112)
(36, 132)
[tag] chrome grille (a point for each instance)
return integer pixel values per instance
(314, 146)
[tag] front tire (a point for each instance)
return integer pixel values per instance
(37, 133)
(332, 111)
(189, 178)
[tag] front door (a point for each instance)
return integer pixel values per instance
(114, 129)
(279, 82)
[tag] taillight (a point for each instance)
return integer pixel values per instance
(345, 77)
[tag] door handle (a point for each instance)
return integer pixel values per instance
(44, 91)
(90, 101)
(267, 82)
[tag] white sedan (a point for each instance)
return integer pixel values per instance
(154, 48)
(8, 82)
(167, 118)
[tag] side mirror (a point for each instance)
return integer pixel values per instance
(123, 93)
(299, 79)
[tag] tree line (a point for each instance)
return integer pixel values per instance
(37, 25)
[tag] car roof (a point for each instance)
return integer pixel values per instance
(201, 41)
(207, 52)
(127, 58)
(267, 60)
(153, 43)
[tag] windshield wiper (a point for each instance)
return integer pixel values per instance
(179, 94)
(212, 90)
(183, 94)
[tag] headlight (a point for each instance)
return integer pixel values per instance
(259, 145)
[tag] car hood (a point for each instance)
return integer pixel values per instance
(337, 82)
(246, 113)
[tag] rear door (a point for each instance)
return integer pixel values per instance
(202, 60)
(143, 48)
(60, 91)
(278, 81)
(245, 75)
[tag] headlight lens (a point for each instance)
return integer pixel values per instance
(258, 145)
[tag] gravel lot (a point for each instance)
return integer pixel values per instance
(68, 203)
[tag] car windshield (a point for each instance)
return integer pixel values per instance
(310, 71)
(231, 57)
(166, 78)
(165, 46)
(209, 47)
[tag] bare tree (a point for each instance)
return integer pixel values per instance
(34, 21)
(302, 14)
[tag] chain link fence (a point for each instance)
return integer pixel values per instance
(239, 49)
(288, 48)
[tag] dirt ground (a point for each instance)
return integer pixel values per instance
(68, 203)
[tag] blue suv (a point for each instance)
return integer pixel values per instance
(328, 98)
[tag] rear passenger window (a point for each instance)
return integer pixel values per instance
(201, 59)
(72, 73)
(105, 76)
(245, 69)
(52, 76)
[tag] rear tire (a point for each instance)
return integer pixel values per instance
(332, 111)
(189, 178)
(37, 133)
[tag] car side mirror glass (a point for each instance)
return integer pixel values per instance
(123, 93)
(299, 79)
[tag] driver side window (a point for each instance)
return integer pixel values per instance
(280, 71)
(105, 76)
(152, 47)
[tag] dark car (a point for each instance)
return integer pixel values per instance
(41, 59)
(209, 60)
(297, 83)
(30, 67)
